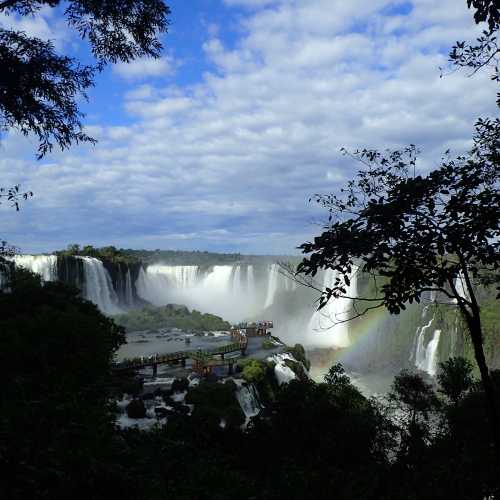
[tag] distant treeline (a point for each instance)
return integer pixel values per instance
(109, 253)
(169, 257)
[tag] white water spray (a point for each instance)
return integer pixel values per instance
(328, 327)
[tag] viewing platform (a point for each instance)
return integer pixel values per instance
(204, 361)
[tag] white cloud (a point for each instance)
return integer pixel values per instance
(43, 25)
(230, 162)
(145, 67)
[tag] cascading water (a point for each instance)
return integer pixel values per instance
(424, 354)
(43, 265)
(237, 285)
(272, 285)
(250, 279)
(461, 287)
(129, 293)
(98, 286)
(219, 290)
(431, 358)
(249, 403)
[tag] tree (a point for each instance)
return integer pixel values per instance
(39, 89)
(336, 376)
(418, 233)
(485, 51)
(434, 233)
(13, 196)
(455, 378)
(56, 418)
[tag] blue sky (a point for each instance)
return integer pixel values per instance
(219, 144)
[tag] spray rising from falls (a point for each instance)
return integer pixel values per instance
(229, 291)
(328, 327)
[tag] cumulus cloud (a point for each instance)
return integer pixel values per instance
(229, 161)
(145, 67)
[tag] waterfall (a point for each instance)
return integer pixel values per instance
(431, 354)
(328, 327)
(420, 349)
(43, 265)
(424, 353)
(427, 359)
(218, 291)
(461, 287)
(98, 286)
(129, 294)
(272, 285)
(237, 285)
(178, 276)
(218, 279)
(250, 280)
(248, 401)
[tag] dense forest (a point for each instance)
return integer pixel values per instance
(171, 316)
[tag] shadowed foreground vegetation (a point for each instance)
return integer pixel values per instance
(312, 440)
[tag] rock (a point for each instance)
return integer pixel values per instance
(162, 412)
(180, 385)
(136, 409)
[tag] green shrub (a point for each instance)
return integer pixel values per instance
(254, 371)
(170, 316)
(299, 353)
(268, 344)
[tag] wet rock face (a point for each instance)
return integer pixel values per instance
(123, 277)
(298, 369)
(70, 271)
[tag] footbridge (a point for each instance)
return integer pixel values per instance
(202, 358)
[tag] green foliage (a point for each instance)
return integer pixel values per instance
(336, 376)
(268, 344)
(40, 89)
(455, 378)
(109, 253)
(56, 351)
(203, 259)
(299, 353)
(414, 394)
(213, 401)
(171, 316)
(253, 370)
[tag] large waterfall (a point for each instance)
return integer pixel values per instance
(259, 290)
(235, 292)
(44, 265)
(98, 287)
(229, 291)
